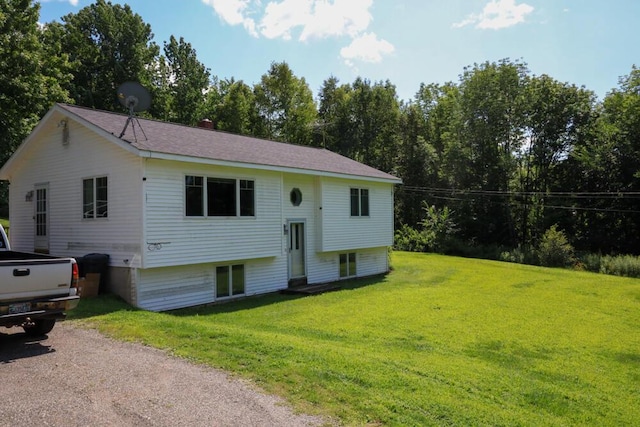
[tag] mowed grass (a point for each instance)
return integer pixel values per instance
(4, 222)
(439, 341)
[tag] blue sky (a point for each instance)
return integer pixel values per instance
(583, 42)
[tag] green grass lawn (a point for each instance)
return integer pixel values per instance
(4, 222)
(439, 341)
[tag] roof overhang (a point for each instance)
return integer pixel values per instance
(300, 171)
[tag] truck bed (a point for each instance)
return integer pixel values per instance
(26, 275)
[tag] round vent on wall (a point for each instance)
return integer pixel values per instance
(296, 197)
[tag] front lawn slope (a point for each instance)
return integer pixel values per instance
(439, 341)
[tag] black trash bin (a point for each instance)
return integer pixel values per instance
(96, 263)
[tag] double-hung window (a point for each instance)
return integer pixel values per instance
(227, 197)
(94, 198)
(359, 202)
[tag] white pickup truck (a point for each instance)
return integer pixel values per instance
(35, 289)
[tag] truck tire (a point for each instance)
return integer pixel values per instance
(40, 327)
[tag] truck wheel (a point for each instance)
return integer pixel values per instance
(40, 327)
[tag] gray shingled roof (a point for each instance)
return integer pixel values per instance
(174, 139)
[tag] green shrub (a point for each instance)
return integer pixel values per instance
(554, 249)
(621, 265)
(409, 239)
(519, 255)
(590, 262)
(435, 235)
(439, 228)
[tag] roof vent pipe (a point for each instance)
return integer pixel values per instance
(206, 124)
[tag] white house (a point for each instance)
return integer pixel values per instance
(190, 215)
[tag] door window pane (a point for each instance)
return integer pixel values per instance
(41, 212)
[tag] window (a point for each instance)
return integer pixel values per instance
(221, 196)
(247, 201)
(348, 265)
(94, 197)
(194, 195)
(359, 202)
(296, 197)
(229, 280)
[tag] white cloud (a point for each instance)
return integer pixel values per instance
(497, 14)
(71, 2)
(234, 12)
(342, 17)
(281, 18)
(315, 18)
(366, 48)
(306, 20)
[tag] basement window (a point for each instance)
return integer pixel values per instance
(229, 280)
(348, 265)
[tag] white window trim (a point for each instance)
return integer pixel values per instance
(359, 189)
(230, 284)
(205, 198)
(95, 195)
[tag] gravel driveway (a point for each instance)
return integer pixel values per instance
(78, 377)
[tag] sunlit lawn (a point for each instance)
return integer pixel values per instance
(440, 341)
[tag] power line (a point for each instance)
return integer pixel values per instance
(450, 195)
(561, 194)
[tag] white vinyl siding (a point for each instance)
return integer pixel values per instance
(173, 238)
(325, 266)
(169, 288)
(64, 167)
(342, 232)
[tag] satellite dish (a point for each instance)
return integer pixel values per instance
(134, 96)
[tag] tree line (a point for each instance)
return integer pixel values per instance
(495, 158)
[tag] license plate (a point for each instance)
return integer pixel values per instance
(19, 307)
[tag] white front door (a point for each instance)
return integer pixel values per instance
(41, 218)
(297, 267)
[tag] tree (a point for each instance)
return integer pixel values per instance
(285, 106)
(108, 45)
(186, 82)
(333, 126)
(30, 79)
(375, 115)
(606, 162)
(492, 116)
(558, 116)
(237, 113)
(416, 166)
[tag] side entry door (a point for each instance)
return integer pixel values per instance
(297, 264)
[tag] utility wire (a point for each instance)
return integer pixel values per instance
(434, 194)
(563, 194)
